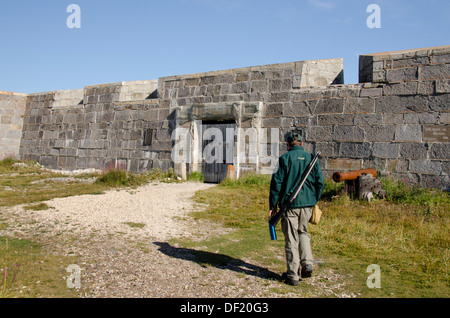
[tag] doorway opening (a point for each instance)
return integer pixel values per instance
(218, 149)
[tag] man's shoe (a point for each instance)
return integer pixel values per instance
(306, 271)
(291, 282)
(288, 280)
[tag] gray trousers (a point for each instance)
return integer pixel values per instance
(297, 240)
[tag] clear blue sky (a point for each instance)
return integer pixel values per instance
(138, 40)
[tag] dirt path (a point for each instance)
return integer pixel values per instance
(121, 240)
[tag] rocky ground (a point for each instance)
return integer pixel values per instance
(121, 239)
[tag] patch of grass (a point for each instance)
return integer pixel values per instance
(248, 180)
(196, 177)
(332, 190)
(26, 183)
(406, 235)
(399, 192)
(27, 271)
(21, 183)
(409, 245)
(135, 225)
(23, 192)
(38, 207)
(118, 177)
(9, 165)
(143, 247)
(233, 207)
(8, 162)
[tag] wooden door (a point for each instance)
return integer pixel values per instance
(217, 150)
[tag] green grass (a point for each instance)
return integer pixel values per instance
(196, 177)
(28, 183)
(398, 192)
(118, 177)
(37, 207)
(406, 234)
(135, 225)
(28, 271)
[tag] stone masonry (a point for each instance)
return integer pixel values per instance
(395, 120)
(12, 109)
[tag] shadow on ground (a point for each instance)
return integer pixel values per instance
(220, 261)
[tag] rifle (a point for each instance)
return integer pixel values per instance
(273, 221)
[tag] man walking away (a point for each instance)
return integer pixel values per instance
(294, 223)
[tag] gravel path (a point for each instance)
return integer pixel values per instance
(122, 238)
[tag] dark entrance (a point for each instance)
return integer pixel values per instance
(217, 149)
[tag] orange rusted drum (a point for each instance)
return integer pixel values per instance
(352, 175)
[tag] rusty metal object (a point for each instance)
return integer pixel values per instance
(352, 175)
(366, 186)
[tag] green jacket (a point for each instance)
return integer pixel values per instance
(291, 166)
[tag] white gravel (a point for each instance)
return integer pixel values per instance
(158, 208)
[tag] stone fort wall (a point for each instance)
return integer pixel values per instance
(395, 120)
(12, 109)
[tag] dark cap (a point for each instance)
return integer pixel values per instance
(294, 136)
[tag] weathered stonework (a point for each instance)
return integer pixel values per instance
(395, 120)
(12, 109)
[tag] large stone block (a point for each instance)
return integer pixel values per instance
(397, 165)
(297, 108)
(379, 133)
(403, 88)
(279, 85)
(279, 97)
(92, 144)
(426, 166)
(307, 94)
(422, 118)
(259, 87)
(329, 106)
(368, 119)
(439, 102)
(402, 74)
(426, 87)
(440, 151)
(355, 150)
(435, 72)
(413, 150)
(348, 133)
(401, 104)
(436, 182)
(192, 81)
(274, 109)
(335, 119)
(241, 87)
(441, 58)
(443, 86)
(408, 133)
(371, 92)
(359, 105)
(268, 122)
(49, 161)
(319, 133)
(343, 164)
(327, 149)
(393, 119)
(385, 150)
(418, 60)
